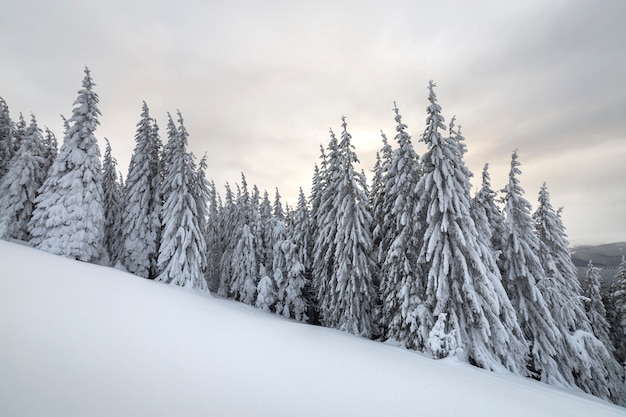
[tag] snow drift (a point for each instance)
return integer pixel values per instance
(84, 340)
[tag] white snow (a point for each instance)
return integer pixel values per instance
(84, 340)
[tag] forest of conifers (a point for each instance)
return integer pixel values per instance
(412, 258)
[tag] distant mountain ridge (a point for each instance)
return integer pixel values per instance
(608, 255)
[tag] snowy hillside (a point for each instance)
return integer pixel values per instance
(84, 340)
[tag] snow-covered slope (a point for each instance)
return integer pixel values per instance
(83, 340)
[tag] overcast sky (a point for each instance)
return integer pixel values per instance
(259, 84)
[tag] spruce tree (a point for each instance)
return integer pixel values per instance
(19, 133)
(213, 239)
(6, 137)
(244, 268)
(228, 227)
(301, 296)
(267, 226)
(487, 216)
(595, 307)
(590, 363)
(463, 285)
(280, 263)
(51, 149)
(349, 291)
(112, 202)
(19, 187)
(521, 270)
(403, 316)
(201, 192)
(293, 294)
(324, 213)
(244, 265)
(266, 291)
(69, 216)
(619, 302)
(278, 213)
(141, 205)
(182, 252)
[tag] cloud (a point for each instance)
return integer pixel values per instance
(260, 83)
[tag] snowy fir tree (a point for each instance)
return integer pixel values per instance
(227, 227)
(278, 213)
(142, 202)
(289, 272)
(324, 213)
(378, 198)
(181, 255)
(69, 216)
(462, 277)
(244, 265)
(6, 137)
(213, 241)
(521, 270)
(202, 192)
(595, 308)
(279, 262)
(19, 133)
(112, 202)
(300, 295)
(266, 232)
(19, 187)
(403, 316)
(348, 293)
(591, 364)
(619, 303)
(487, 216)
(51, 149)
(244, 268)
(266, 291)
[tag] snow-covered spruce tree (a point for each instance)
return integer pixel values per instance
(141, 203)
(19, 133)
(294, 302)
(324, 213)
(595, 307)
(348, 295)
(182, 251)
(228, 235)
(18, 188)
(6, 137)
(464, 291)
(403, 315)
(619, 303)
(201, 192)
(289, 271)
(301, 294)
(267, 225)
(591, 364)
(112, 202)
(51, 149)
(261, 229)
(279, 212)
(379, 217)
(521, 270)
(244, 268)
(69, 217)
(487, 216)
(214, 247)
(266, 291)
(279, 263)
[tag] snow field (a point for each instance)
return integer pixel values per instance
(84, 340)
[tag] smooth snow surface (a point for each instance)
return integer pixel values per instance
(83, 340)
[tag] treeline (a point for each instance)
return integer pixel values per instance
(414, 259)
